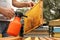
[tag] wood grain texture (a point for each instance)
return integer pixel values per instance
(42, 38)
(55, 22)
(11, 38)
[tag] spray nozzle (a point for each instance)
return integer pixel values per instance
(20, 14)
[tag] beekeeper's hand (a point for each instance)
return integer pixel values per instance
(30, 4)
(8, 12)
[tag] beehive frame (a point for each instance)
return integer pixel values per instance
(34, 20)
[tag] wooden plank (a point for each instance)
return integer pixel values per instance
(57, 35)
(55, 22)
(42, 38)
(38, 32)
(11, 38)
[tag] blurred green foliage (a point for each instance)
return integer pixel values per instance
(51, 9)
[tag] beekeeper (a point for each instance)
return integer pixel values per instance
(7, 12)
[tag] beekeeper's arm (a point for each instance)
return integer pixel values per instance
(22, 4)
